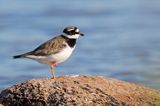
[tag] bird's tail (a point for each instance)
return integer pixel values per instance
(21, 56)
(18, 56)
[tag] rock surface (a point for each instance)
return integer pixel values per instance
(79, 91)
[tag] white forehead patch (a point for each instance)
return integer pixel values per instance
(77, 30)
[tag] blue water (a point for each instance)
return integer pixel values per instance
(122, 38)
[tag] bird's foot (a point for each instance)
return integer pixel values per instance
(53, 77)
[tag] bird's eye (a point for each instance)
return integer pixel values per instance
(77, 32)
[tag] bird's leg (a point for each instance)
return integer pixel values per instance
(55, 64)
(52, 65)
(52, 71)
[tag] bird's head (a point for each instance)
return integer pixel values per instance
(72, 32)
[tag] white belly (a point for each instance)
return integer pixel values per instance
(58, 57)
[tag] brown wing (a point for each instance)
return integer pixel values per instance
(52, 46)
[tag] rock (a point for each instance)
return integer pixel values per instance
(79, 90)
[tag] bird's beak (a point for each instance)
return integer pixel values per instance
(81, 34)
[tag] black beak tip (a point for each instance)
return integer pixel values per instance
(82, 34)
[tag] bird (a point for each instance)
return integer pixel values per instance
(56, 50)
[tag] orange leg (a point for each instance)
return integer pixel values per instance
(52, 65)
(52, 71)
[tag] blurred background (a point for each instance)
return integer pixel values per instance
(122, 38)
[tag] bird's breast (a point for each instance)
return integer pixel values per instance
(62, 55)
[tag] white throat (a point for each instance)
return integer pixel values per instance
(75, 36)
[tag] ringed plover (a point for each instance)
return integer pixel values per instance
(55, 50)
